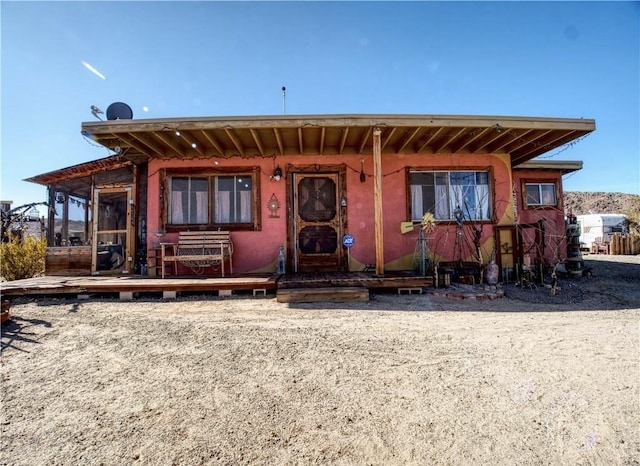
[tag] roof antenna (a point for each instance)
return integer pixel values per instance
(284, 100)
(96, 111)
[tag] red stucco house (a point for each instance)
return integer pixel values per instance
(307, 182)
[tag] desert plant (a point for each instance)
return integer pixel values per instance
(22, 259)
(633, 221)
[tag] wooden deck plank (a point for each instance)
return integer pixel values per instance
(131, 283)
(314, 295)
(68, 285)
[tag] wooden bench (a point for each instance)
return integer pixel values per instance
(197, 249)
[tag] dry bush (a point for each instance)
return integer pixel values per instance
(633, 221)
(22, 259)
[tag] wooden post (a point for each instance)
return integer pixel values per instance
(65, 220)
(86, 222)
(377, 201)
(51, 217)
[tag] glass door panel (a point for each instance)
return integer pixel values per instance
(112, 230)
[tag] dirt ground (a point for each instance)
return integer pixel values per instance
(527, 379)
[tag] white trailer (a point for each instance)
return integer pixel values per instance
(600, 228)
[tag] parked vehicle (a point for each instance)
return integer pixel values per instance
(599, 228)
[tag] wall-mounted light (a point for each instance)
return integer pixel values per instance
(343, 202)
(277, 173)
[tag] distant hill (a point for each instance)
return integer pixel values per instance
(583, 202)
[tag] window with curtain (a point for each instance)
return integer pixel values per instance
(540, 194)
(189, 200)
(211, 200)
(445, 193)
(232, 199)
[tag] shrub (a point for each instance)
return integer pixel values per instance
(633, 221)
(22, 259)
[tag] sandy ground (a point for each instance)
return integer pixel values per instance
(399, 380)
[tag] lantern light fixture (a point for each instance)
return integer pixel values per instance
(277, 173)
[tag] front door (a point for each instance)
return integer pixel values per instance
(112, 230)
(506, 252)
(318, 223)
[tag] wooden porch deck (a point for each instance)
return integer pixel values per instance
(126, 286)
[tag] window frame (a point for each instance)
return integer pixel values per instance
(539, 182)
(168, 174)
(490, 191)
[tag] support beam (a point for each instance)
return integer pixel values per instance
(51, 224)
(65, 220)
(87, 225)
(377, 201)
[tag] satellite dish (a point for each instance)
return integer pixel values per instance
(119, 111)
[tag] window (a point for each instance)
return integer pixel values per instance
(447, 194)
(189, 200)
(216, 200)
(540, 194)
(232, 195)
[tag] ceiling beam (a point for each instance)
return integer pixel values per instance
(323, 133)
(192, 142)
(494, 135)
(276, 132)
(449, 140)
(148, 142)
(555, 142)
(364, 140)
(343, 139)
(407, 140)
(256, 139)
(515, 135)
(300, 141)
(208, 135)
(466, 141)
(430, 139)
(531, 140)
(169, 142)
(234, 139)
(386, 140)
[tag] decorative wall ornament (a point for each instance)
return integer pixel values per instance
(273, 205)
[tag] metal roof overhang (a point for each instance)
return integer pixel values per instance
(76, 180)
(270, 136)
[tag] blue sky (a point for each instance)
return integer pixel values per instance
(180, 59)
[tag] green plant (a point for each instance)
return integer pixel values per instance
(22, 259)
